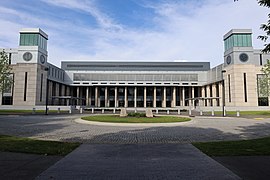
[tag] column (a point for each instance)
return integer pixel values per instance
(87, 96)
(135, 97)
(183, 96)
(155, 97)
(115, 97)
(208, 95)
(106, 96)
(203, 96)
(78, 95)
(220, 89)
(50, 93)
(144, 97)
(126, 99)
(96, 97)
(192, 96)
(214, 93)
(189, 96)
(173, 102)
(69, 101)
(164, 97)
(90, 96)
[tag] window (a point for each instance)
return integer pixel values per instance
(245, 86)
(25, 86)
(33, 39)
(260, 59)
(238, 40)
(9, 58)
(41, 83)
(262, 90)
(229, 85)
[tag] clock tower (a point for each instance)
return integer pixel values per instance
(238, 47)
(32, 46)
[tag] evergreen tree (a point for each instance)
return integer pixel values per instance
(5, 72)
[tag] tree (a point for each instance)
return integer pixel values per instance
(265, 27)
(5, 72)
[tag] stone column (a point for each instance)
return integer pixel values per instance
(189, 96)
(164, 97)
(135, 97)
(106, 96)
(115, 97)
(214, 93)
(192, 96)
(126, 98)
(183, 96)
(87, 96)
(90, 96)
(78, 95)
(144, 97)
(208, 95)
(173, 102)
(68, 102)
(96, 97)
(203, 96)
(155, 97)
(220, 89)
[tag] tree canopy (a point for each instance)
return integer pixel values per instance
(5, 72)
(265, 27)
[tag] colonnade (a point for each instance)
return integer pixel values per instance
(140, 96)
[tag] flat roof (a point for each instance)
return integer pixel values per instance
(134, 66)
(34, 30)
(237, 31)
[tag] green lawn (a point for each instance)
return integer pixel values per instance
(27, 145)
(117, 119)
(252, 147)
(260, 113)
(11, 111)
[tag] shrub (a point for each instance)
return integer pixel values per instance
(136, 114)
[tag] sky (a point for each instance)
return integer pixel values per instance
(132, 30)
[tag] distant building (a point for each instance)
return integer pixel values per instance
(136, 84)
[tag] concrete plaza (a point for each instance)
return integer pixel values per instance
(132, 151)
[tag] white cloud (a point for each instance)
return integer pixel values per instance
(89, 7)
(185, 31)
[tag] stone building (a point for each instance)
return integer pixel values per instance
(234, 83)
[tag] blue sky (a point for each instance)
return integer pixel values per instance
(128, 30)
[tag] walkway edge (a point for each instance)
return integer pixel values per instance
(81, 121)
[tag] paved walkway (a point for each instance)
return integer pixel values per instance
(64, 128)
(141, 151)
(24, 166)
(137, 161)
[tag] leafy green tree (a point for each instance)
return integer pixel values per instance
(265, 27)
(263, 80)
(5, 72)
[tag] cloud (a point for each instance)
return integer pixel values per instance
(89, 7)
(187, 31)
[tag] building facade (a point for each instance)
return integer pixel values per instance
(110, 84)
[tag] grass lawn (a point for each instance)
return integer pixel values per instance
(254, 147)
(117, 119)
(11, 111)
(27, 145)
(260, 113)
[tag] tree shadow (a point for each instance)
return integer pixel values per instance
(177, 134)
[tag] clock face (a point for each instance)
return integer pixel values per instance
(42, 59)
(243, 57)
(228, 59)
(27, 56)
